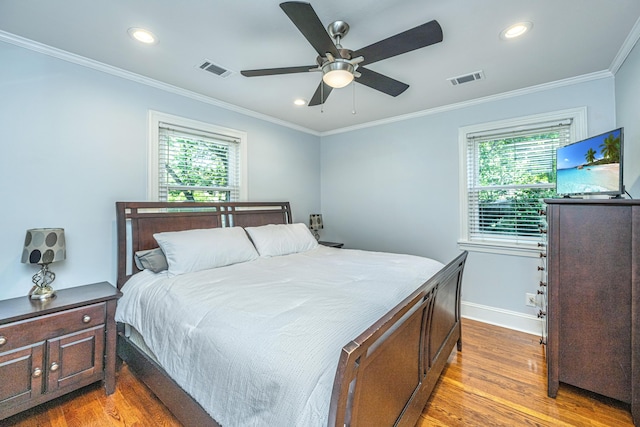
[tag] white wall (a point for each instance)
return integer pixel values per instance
(628, 116)
(74, 141)
(394, 187)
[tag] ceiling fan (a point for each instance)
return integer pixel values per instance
(341, 66)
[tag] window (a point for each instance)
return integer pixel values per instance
(507, 169)
(194, 161)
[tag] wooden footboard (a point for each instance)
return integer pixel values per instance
(385, 376)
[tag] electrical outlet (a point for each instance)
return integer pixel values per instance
(531, 300)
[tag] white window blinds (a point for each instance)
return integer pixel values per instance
(509, 172)
(196, 165)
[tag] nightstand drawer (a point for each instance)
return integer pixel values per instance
(26, 332)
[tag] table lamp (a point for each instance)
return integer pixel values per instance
(315, 224)
(43, 246)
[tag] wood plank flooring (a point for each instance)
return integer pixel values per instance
(499, 379)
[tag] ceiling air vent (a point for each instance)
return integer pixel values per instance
(478, 75)
(215, 69)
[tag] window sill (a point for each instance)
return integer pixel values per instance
(531, 250)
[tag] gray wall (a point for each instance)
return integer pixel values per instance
(395, 187)
(628, 115)
(74, 142)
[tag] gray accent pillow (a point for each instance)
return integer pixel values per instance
(151, 259)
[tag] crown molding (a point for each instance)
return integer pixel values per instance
(118, 72)
(491, 98)
(626, 48)
(631, 40)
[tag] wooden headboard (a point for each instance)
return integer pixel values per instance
(138, 221)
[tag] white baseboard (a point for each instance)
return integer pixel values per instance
(505, 318)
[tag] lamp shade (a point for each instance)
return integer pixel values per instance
(44, 246)
(315, 222)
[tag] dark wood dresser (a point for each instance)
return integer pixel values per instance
(593, 311)
(50, 348)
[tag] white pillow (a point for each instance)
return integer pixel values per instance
(195, 250)
(281, 239)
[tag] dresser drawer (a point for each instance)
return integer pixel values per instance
(27, 332)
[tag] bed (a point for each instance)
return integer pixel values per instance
(344, 372)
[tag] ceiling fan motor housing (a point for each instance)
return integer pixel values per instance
(344, 54)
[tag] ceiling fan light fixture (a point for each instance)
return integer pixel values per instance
(338, 73)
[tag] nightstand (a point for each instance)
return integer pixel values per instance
(331, 244)
(50, 348)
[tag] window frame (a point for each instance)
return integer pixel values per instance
(578, 131)
(153, 176)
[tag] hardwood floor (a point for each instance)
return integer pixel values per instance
(499, 379)
(132, 405)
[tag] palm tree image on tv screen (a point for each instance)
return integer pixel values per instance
(590, 166)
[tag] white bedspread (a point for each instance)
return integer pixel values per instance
(257, 343)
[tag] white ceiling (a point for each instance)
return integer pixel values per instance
(570, 38)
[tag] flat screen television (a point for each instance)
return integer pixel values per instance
(592, 166)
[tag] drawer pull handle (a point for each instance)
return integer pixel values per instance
(37, 372)
(86, 318)
(3, 340)
(54, 367)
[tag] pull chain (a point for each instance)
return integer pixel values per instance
(321, 96)
(353, 111)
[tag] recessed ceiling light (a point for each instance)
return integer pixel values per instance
(300, 101)
(515, 30)
(142, 35)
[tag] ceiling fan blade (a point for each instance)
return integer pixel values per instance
(321, 95)
(274, 71)
(307, 21)
(381, 82)
(415, 38)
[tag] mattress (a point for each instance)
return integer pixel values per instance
(258, 343)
